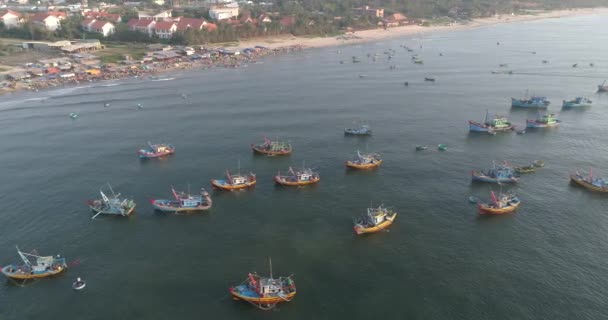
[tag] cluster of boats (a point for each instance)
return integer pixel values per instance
(493, 124)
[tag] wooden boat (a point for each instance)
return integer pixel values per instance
(302, 177)
(358, 130)
(420, 148)
(374, 220)
(578, 102)
(590, 182)
(491, 124)
(273, 147)
(36, 268)
(602, 87)
(364, 161)
(235, 182)
(543, 121)
(526, 169)
(532, 102)
(500, 204)
(264, 292)
(183, 202)
(112, 205)
(497, 174)
(156, 150)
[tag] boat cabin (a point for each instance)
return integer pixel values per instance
(270, 287)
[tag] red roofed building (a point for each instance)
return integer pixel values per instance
(48, 20)
(87, 23)
(142, 25)
(184, 24)
(113, 17)
(10, 18)
(165, 29)
(105, 28)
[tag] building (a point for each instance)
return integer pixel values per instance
(48, 20)
(10, 18)
(162, 15)
(105, 28)
(142, 25)
(395, 19)
(223, 12)
(184, 24)
(165, 29)
(367, 11)
(112, 17)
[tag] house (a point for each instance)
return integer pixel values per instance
(48, 20)
(105, 28)
(87, 23)
(112, 17)
(10, 18)
(367, 11)
(184, 24)
(142, 25)
(223, 12)
(159, 2)
(165, 29)
(162, 15)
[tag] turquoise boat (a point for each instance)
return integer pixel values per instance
(578, 102)
(531, 102)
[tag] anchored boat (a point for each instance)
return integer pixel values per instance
(235, 182)
(156, 150)
(264, 292)
(543, 121)
(358, 130)
(37, 267)
(183, 202)
(590, 182)
(302, 177)
(272, 147)
(532, 102)
(112, 205)
(602, 87)
(374, 220)
(491, 124)
(364, 161)
(503, 203)
(578, 102)
(497, 174)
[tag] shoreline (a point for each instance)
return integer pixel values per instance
(288, 44)
(379, 34)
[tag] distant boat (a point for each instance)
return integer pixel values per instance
(273, 147)
(235, 182)
(264, 292)
(575, 65)
(577, 103)
(156, 150)
(112, 205)
(364, 161)
(602, 87)
(525, 169)
(302, 177)
(491, 124)
(183, 202)
(421, 148)
(543, 121)
(36, 268)
(501, 204)
(497, 174)
(442, 147)
(374, 220)
(532, 102)
(503, 65)
(590, 182)
(359, 130)
(545, 61)
(429, 79)
(73, 115)
(418, 61)
(473, 199)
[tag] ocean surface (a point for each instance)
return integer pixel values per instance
(439, 260)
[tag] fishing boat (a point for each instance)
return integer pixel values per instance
(35, 267)
(235, 182)
(264, 292)
(532, 102)
(273, 147)
(543, 121)
(578, 102)
(525, 169)
(602, 87)
(497, 174)
(421, 148)
(442, 147)
(364, 161)
(112, 205)
(491, 124)
(358, 130)
(590, 182)
(183, 202)
(501, 204)
(302, 177)
(156, 150)
(429, 79)
(374, 220)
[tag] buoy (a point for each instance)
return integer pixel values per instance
(79, 284)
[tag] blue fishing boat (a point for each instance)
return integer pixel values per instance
(543, 121)
(532, 102)
(497, 174)
(577, 103)
(35, 267)
(183, 202)
(359, 130)
(491, 124)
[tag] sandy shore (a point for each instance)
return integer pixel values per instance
(381, 34)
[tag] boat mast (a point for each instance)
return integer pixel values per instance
(487, 116)
(114, 194)
(23, 257)
(270, 262)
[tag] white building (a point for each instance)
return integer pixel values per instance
(224, 12)
(158, 16)
(10, 18)
(48, 20)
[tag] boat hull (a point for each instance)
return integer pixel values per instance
(97, 210)
(571, 104)
(480, 127)
(160, 206)
(587, 185)
(477, 176)
(259, 150)
(536, 124)
(154, 155)
(385, 224)
(353, 165)
(218, 184)
(279, 180)
(602, 88)
(257, 300)
(26, 276)
(485, 209)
